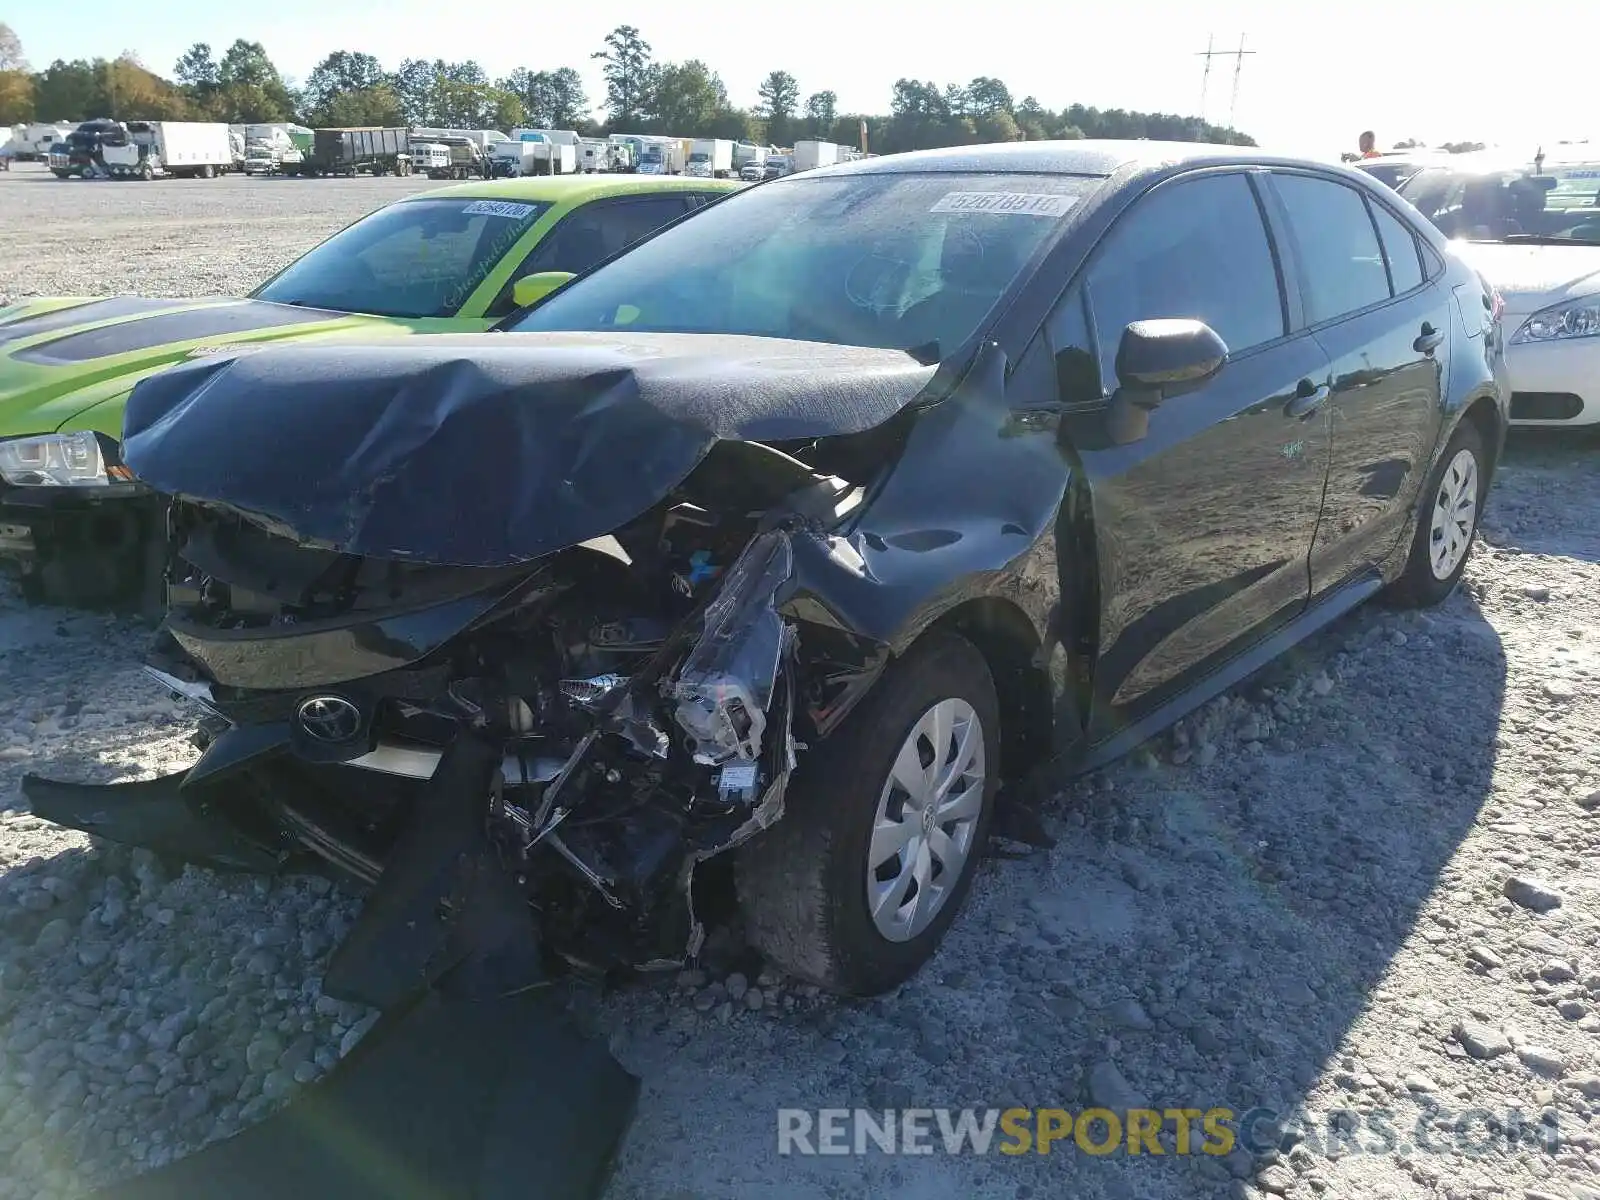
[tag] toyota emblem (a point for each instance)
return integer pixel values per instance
(329, 718)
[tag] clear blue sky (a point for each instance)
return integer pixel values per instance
(1408, 68)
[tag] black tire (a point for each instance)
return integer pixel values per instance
(1419, 585)
(802, 883)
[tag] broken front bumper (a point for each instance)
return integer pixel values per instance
(472, 1087)
(79, 545)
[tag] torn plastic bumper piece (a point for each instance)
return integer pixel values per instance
(480, 1089)
(153, 813)
(450, 1100)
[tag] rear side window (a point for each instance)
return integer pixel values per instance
(1341, 264)
(1400, 249)
(1196, 248)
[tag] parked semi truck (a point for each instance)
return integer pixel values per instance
(103, 148)
(380, 150)
(202, 149)
(710, 158)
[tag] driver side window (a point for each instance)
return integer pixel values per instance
(1194, 248)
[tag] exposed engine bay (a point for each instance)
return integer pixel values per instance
(643, 690)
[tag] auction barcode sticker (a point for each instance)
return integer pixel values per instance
(1023, 204)
(497, 208)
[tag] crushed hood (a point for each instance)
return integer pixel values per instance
(487, 450)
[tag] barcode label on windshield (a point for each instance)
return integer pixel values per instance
(1021, 204)
(497, 208)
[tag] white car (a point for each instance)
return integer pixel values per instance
(1534, 233)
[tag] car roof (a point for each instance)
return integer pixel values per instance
(574, 189)
(1081, 157)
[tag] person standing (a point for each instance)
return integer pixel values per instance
(1369, 145)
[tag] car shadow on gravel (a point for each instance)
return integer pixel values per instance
(1201, 937)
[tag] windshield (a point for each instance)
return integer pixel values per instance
(906, 262)
(1562, 204)
(418, 258)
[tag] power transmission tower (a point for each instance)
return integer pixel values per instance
(1238, 57)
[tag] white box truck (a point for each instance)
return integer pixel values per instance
(710, 158)
(809, 154)
(172, 148)
(661, 156)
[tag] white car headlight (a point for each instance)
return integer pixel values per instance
(54, 460)
(1570, 319)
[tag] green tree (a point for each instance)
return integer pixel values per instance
(986, 96)
(198, 76)
(16, 85)
(67, 91)
(413, 84)
(342, 73)
(780, 99)
(376, 105)
(690, 100)
(822, 109)
(631, 75)
(249, 88)
(551, 99)
(1033, 119)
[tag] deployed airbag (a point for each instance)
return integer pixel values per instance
(492, 449)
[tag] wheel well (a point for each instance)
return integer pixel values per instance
(1006, 639)
(1483, 415)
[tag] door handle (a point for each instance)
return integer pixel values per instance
(1308, 397)
(1428, 341)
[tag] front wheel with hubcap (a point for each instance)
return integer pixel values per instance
(1447, 520)
(883, 827)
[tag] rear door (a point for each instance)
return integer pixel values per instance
(1384, 324)
(1204, 525)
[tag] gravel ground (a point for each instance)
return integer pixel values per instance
(1361, 884)
(169, 237)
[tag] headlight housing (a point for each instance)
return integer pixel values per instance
(1560, 322)
(56, 460)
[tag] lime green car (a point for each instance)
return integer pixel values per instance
(451, 259)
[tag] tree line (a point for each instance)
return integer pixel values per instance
(642, 95)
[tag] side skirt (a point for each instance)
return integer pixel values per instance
(1350, 596)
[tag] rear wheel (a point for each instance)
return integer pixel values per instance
(883, 827)
(1447, 520)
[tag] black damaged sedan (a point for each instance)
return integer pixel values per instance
(772, 546)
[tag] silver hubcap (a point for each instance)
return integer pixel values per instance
(926, 821)
(1455, 514)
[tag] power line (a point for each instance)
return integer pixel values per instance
(1238, 57)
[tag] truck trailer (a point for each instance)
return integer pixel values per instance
(380, 150)
(809, 154)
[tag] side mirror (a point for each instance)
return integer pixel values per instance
(537, 286)
(1157, 360)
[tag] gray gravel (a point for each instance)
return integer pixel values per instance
(1362, 882)
(169, 237)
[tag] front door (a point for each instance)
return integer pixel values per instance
(1204, 525)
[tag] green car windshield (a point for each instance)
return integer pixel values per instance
(417, 258)
(901, 261)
